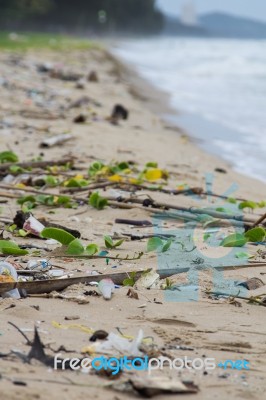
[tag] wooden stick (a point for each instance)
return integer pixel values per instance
(166, 207)
(100, 185)
(50, 285)
(260, 220)
(235, 296)
(36, 164)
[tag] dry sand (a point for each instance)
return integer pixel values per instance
(211, 327)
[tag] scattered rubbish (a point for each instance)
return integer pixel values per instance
(80, 299)
(221, 170)
(81, 328)
(8, 274)
(65, 75)
(148, 280)
(98, 335)
(119, 112)
(106, 288)
(154, 386)
(56, 140)
(119, 343)
(80, 119)
(93, 77)
(33, 226)
(133, 222)
(132, 294)
(39, 265)
(82, 101)
(72, 317)
(252, 284)
(81, 84)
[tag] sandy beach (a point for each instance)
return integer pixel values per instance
(35, 106)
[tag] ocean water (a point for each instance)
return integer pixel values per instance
(217, 86)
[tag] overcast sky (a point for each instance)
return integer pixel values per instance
(248, 8)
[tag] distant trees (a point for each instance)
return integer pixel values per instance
(136, 16)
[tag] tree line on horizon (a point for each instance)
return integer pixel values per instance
(134, 16)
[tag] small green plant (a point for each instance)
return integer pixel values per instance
(131, 280)
(110, 244)
(97, 201)
(238, 239)
(157, 244)
(169, 283)
(8, 157)
(30, 202)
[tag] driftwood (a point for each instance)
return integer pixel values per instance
(36, 164)
(151, 205)
(56, 140)
(50, 285)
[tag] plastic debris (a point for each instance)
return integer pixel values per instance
(115, 342)
(39, 265)
(148, 280)
(33, 226)
(106, 288)
(7, 270)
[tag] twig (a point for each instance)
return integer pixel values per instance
(20, 331)
(260, 220)
(36, 164)
(251, 299)
(150, 204)
(101, 185)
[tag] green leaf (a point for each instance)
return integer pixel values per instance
(8, 156)
(131, 280)
(234, 240)
(117, 244)
(11, 248)
(154, 243)
(95, 168)
(206, 236)
(167, 245)
(247, 204)
(255, 234)
(108, 242)
(16, 169)
(12, 228)
(10, 251)
(92, 249)
(151, 164)
(51, 181)
(75, 247)
(97, 201)
(242, 254)
(231, 200)
(26, 199)
(60, 235)
(73, 182)
(22, 233)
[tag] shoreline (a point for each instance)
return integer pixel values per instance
(186, 123)
(201, 327)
